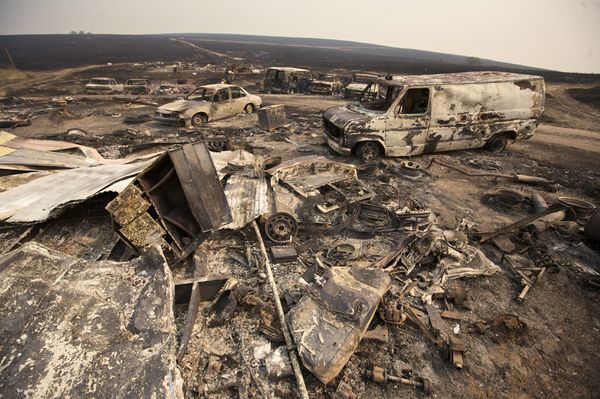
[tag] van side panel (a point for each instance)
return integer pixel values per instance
(467, 115)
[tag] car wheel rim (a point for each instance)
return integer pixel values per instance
(368, 152)
(281, 228)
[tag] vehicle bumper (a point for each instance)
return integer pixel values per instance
(99, 91)
(169, 121)
(321, 90)
(336, 146)
(140, 90)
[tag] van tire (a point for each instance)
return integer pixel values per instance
(199, 119)
(497, 143)
(368, 151)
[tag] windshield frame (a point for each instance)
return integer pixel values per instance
(357, 104)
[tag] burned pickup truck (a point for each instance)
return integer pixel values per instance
(138, 86)
(103, 86)
(358, 83)
(417, 114)
(326, 84)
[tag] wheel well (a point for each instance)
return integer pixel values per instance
(511, 135)
(201, 113)
(381, 148)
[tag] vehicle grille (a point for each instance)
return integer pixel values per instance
(165, 115)
(331, 129)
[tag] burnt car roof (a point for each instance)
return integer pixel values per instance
(456, 78)
(217, 86)
(289, 69)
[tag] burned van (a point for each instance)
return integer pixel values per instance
(287, 80)
(417, 114)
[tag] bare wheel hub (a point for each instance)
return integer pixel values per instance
(281, 227)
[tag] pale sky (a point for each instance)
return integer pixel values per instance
(554, 34)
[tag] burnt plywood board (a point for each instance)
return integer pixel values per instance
(42, 198)
(128, 206)
(75, 328)
(198, 178)
(143, 231)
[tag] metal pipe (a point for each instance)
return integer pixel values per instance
(539, 203)
(284, 327)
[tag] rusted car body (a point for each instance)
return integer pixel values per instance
(287, 80)
(207, 103)
(326, 84)
(138, 86)
(358, 83)
(103, 86)
(416, 114)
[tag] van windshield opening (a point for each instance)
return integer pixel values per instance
(376, 98)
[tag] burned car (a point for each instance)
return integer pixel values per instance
(103, 86)
(358, 83)
(417, 114)
(175, 88)
(287, 80)
(326, 84)
(207, 103)
(138, 86)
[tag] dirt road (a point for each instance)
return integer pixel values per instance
(586, 140)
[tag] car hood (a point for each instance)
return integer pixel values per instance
(342, 116)
(322, 82)
(181, 105)
(356, 86)
(98, 86)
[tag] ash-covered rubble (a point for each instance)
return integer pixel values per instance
(272, 274)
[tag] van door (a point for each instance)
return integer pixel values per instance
(408, 124)
(454, 110)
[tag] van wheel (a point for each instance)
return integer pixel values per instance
(368, 151)
(497, 143)
(249, 108)
(198, 119)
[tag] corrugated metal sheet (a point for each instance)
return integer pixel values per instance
(29, 154)
(39, 199)
(238, 158)
(46, 159)
(247, 198)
